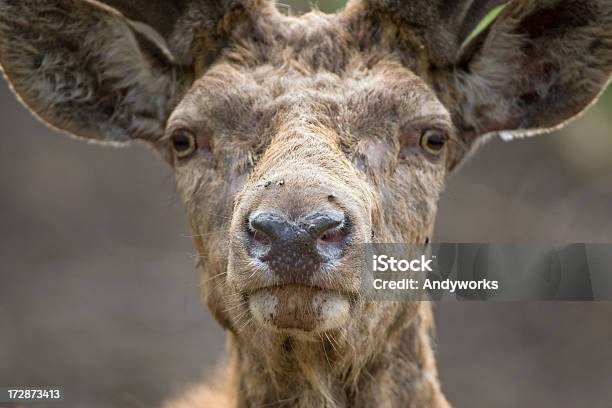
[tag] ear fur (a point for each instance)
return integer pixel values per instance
(540, 64)
(537, 66)
(82, 68)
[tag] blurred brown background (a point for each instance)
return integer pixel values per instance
(98, 291)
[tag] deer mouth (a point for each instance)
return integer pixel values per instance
(298, 307)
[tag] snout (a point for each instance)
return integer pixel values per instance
(295, 250)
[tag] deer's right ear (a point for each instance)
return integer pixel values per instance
(107, 71)
(84, 68)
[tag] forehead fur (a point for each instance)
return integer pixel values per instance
(311, 66)
(386, 90)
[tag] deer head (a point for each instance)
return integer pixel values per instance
(296, 139)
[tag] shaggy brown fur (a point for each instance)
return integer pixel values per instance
(296, 115)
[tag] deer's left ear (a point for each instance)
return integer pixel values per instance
(540, 64)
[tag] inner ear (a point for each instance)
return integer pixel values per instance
(556, 21)
(106, 74)
(86, 69)
(537, 66)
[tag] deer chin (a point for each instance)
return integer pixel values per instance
(299, 308)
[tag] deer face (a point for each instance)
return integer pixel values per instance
(287, 173)
(296, 140)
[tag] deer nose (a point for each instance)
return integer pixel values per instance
(300, 246)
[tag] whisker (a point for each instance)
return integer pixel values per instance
(208, 279)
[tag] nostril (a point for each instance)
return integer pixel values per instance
(264, 228)
(332, 242)
(330, 229)
(259, 237)
(324, 223)
(267, 223)
(333, 236)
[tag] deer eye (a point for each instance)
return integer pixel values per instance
(433, 141)
(184, 143)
